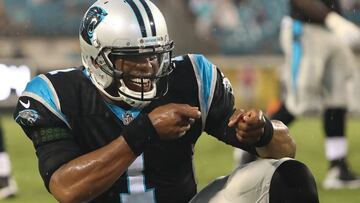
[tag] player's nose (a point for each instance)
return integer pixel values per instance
(145, 66)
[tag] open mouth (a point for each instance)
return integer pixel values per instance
(139, 84)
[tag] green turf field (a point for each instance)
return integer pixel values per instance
(212, 159)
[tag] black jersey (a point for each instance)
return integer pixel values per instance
(65, 116)
(299, 14)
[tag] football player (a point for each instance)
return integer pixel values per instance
(317, 43)
(8, 187)
(122, 128)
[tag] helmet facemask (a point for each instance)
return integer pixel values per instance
(137, 88)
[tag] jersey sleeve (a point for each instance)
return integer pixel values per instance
(216, 102)
(38, 112)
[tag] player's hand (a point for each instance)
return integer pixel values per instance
(172, 121)
(249, 125)
(345, 30)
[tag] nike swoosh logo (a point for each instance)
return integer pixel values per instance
(25, 105)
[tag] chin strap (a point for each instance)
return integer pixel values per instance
(127, 95)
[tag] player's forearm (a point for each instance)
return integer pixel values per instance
(86, 177)
(315, 9)
(281, 144)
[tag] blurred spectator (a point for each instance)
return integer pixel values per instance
(240, 26)
(181, 25)
(2, 15)
(233, 26)
(351, 10)
(62, 17)
(4, 22)
(214, 13)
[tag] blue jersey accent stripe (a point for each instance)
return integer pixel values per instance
(296, 53)
(52, 90)
(41, 89)
(206, 77)
(86, 73)
(120, 112)
(150, 16)
(138, 17)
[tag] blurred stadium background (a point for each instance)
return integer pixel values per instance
(240, 36)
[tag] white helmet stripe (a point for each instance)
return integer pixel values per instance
(150, 16)
(138, 17)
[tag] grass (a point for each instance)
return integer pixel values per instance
(212, 159)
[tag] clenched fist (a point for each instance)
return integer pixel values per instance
(249, 125)
(172, 121)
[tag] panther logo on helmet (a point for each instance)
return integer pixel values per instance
(92, 19)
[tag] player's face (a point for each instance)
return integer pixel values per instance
(138, 71)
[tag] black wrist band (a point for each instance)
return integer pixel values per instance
(138, 133)
(267, 135)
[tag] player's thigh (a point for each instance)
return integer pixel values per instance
(248, 183)
(340, 71)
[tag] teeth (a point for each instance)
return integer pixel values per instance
(138, 80)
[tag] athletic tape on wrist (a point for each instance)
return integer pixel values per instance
(267, 135)
(139, 133)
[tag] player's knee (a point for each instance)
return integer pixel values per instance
(292, 182)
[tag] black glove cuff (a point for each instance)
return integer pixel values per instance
(139, 133)
(267, 135)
